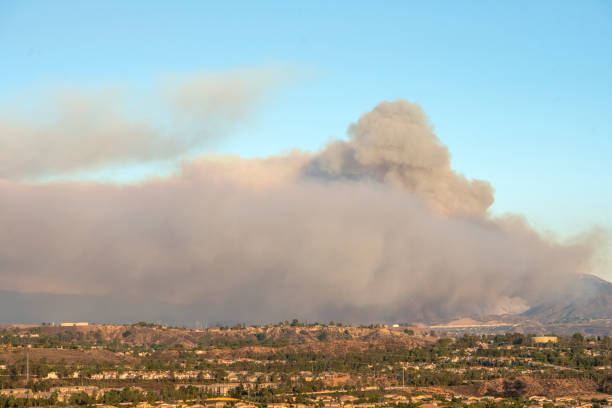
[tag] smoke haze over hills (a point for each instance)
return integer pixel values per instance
(374, 227)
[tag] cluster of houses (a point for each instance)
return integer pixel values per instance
(63, 393)
(188, 375)
(152, 375)
(231, 376)
(220, 400)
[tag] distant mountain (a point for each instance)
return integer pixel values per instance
(587, 297)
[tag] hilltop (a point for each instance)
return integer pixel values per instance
(588, 297)
(255, 339)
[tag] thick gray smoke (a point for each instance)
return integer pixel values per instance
(395, 144)
(377, 227)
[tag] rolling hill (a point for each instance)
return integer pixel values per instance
(587, 298)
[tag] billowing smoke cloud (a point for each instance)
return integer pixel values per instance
(377, 227)
(395, 144)
(77, 131)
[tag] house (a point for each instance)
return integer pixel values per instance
(17, 392)
(545, 339)
(128, 375)
(221, 389)
(232, 376)
(244, 405)
(186, 375)
(155, 375)
(219, 402)
(64, 393)
(106, 375)
(348, 398)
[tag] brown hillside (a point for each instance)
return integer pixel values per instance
(250, 336)
(10, 355)
(526, 386)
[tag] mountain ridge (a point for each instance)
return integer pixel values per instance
(586, 298)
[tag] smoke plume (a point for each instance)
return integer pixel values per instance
(395, 144)
(374, 227)
(76, 130)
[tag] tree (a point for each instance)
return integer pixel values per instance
(577, 340)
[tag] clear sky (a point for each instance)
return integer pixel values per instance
(520, 91)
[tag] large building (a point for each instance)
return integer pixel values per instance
(545, 339)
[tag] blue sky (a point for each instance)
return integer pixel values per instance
(518, 90)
